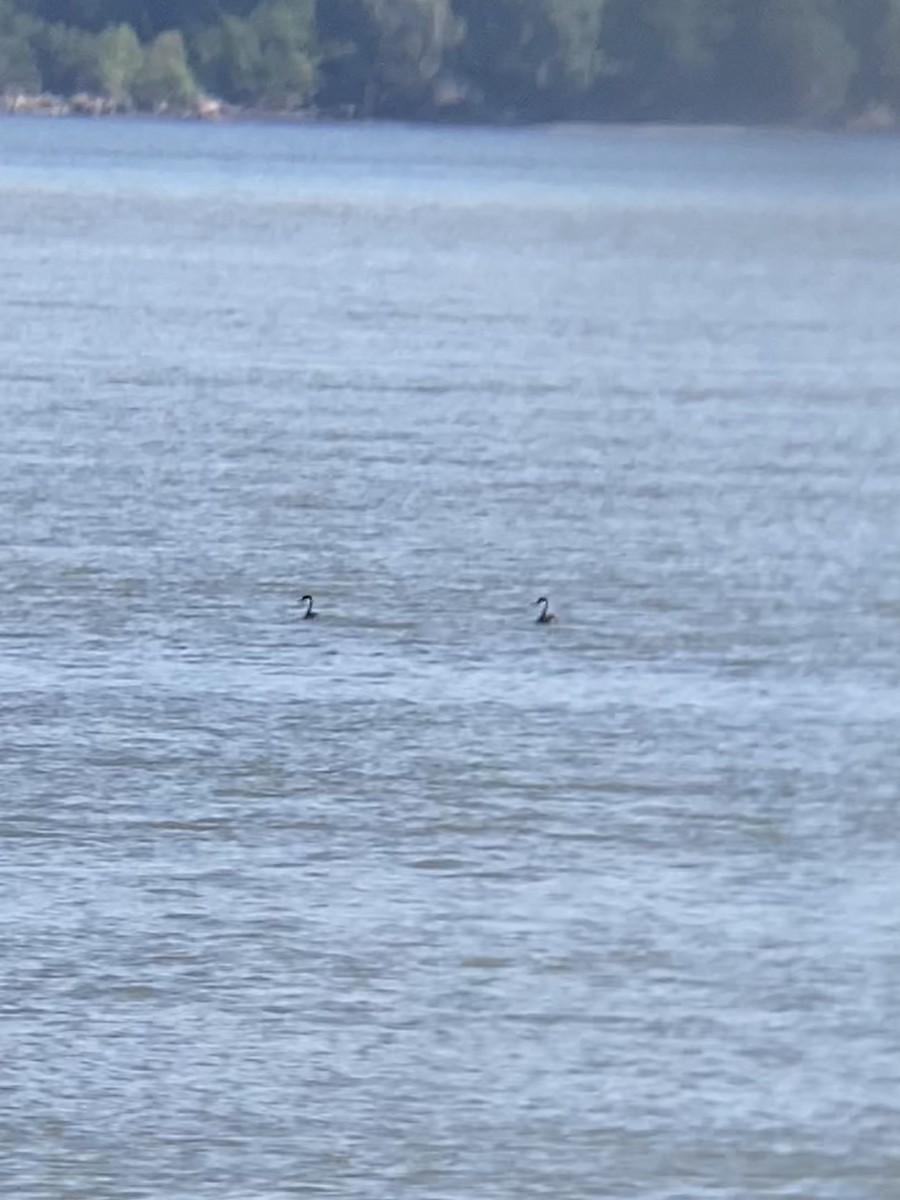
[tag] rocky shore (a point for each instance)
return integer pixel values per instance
(877, 118)
(83, 104)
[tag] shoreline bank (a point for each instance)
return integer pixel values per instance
(879, 119)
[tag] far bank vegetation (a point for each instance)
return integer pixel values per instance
(815, 62)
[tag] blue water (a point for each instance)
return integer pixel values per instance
(423, 900)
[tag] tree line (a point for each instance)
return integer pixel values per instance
(814, 61)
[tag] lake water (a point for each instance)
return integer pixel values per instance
(424, 901)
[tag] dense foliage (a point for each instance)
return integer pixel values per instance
(761, 60)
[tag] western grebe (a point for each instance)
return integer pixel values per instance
(546, 617)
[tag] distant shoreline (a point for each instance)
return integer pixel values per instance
(878, 120)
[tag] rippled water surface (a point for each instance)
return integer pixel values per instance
(422, 901)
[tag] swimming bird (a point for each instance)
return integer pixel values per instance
(545, 617)
(309, 615)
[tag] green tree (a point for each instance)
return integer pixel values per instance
(164, 79)
(413, 39)
(228, 59)
(285, 31)
(385, 57)
(808, 42)
(119, 62)
(579, 25)
(67, 59)
(269, 58)
(535, 58)
(147, 17)
(667, 56)
(18, 68)
(348, 35)
(886, 56)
